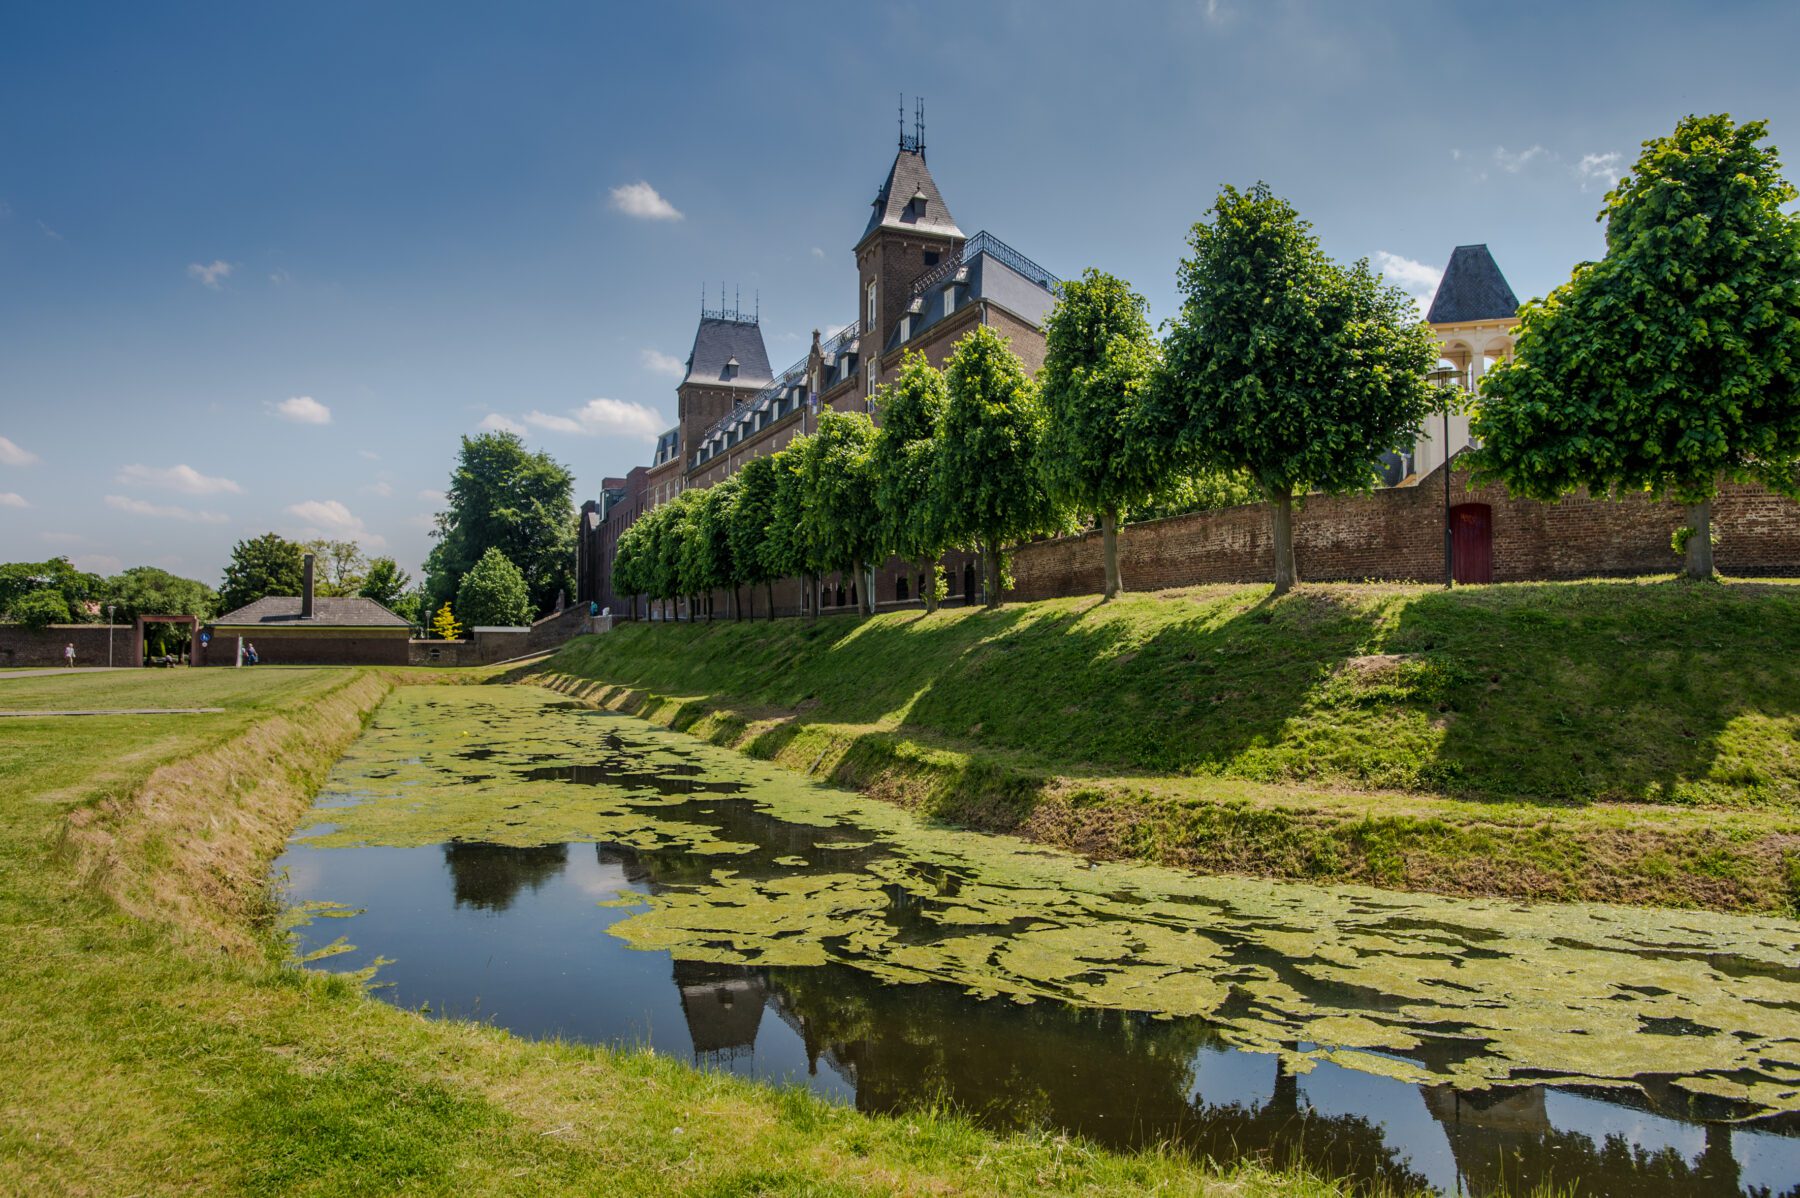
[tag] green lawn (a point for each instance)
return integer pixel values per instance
(1637, 741)
(158, 1042)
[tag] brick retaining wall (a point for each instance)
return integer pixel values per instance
(22, 646)
(1397, 534)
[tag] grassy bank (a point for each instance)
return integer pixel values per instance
(1623, 741)
(158, 1041)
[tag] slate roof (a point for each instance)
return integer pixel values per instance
(982, 276)
(894, 205)
(717, 341)
(1472, 289)
(668, 445)
(283, 611)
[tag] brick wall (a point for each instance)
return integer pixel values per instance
(308, 647)
(21, 646)
(1398, 534)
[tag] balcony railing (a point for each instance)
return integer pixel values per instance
(985, 243)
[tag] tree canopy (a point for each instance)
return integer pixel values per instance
(903, 459)
(986, 487)
(1673, 363)
(386, 583)
(840, 521)
(1285, 365)
(338, 566)
(493, 593)
(260, 566)
(1100, 453)
(47, 592)
(502, 496)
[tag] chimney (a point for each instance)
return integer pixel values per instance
(306, 587)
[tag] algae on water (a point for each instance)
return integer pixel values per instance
(753, 865)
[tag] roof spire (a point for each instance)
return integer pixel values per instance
(915, 142)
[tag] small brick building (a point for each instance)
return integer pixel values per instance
(308, 630)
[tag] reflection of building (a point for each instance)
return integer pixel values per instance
(723, 1005)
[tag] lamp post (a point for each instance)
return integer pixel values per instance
(109, 635)
(1448, 380)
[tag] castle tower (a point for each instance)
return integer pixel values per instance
(1472, 315)
(727, 365)
(909, 232)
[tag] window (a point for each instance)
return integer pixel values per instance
(869, 322)
(949, 299)
(931, 257)
(900, 589)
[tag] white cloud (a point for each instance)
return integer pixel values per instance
(494, 422)
(430, 496)
(185, 479)
(1417, 279)
(210, 274)
(140, 507)
(279, 277)
(330, 519)
(1512, 163)
(657, 362)
(303, 409)
(601, 417)
(98, 563)
(12, 499)
(1600, 168)
(642, 201)
(52, 234)
(818, 253)
(12, 455)
(380, 489)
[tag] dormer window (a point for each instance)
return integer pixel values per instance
(731, 368)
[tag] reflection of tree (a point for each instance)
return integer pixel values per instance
(490, 876)
(1504, 1144)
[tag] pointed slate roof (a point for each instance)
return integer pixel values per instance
(721, 342)
(895, 205)
(1472, 289)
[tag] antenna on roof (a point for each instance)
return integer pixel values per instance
(759, 305)
(915, 141)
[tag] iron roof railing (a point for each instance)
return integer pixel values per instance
(985, 243)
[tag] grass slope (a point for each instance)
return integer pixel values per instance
(1611, 740)
(158, 1041)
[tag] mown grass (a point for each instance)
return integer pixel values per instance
(1637, 741)
(175, 1050)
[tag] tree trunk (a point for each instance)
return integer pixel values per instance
(769, 584)
(1109, 549)
(990, 565)
(928, 585)
(862, 599)
(1285, 576)
(1699, 542)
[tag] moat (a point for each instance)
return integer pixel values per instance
(496, 853)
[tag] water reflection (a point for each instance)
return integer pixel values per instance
(516, 935)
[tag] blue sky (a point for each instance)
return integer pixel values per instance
(261, 266)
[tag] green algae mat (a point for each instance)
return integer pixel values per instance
(773, 870)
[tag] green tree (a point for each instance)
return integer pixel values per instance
(385, 582)
(146, 590)
(785, 550)
(504, 497)
(265, 565)
(841, 524)
(749, 524)
(706, 563)
(42, 608)
(1285, 365)
(75, 589)
(628, 564)
(902, 461)
(1100, 454)
(338, 566)
(1206, 491)
(446, 625)
(412, 605)
(985, 485)
(1673, 363)
(493, 592)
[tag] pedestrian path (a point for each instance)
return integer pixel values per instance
(122, 711)
(48, 670)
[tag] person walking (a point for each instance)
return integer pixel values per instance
(69, 654)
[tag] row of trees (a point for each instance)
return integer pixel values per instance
(38, 594)
(1669, 367)
(1285, 373)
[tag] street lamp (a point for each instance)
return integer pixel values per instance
(109, 635)
(1447, 379)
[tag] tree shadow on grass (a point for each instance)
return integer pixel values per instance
(1660, 692)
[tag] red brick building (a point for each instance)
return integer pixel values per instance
(921, 284)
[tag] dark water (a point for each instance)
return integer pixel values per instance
(515, 935)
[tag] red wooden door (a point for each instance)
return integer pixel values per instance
(1472, 542)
